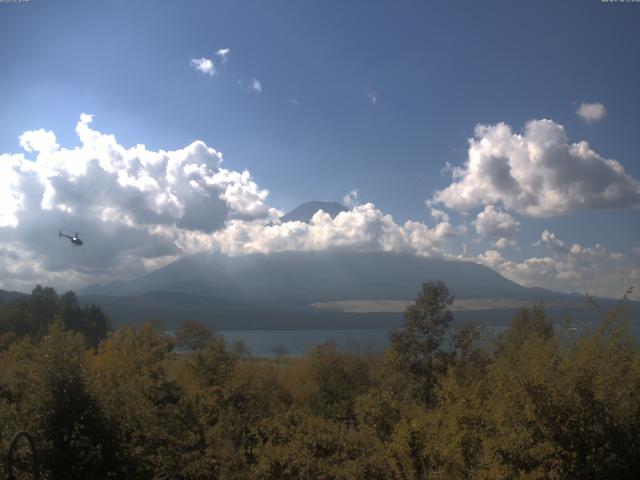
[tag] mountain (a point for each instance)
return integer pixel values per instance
(276, 291)
(304, 212)
(308, 277)
(7, 296)
(171, 309)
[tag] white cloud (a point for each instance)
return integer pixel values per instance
(371, 95)
(549, 238)
(204, 65)
(591, 112)
(439, 215)
(491, 258)
(351, 198)
(224, 53)
(446, 169)
(491, 222)
(256, 86)
(537, 174)
(364, 228)
(504, 242)
(137, 208)
(39, 141)
(574, 268)
(295, 102)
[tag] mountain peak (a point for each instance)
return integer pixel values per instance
(305, 211)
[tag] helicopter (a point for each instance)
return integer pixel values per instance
(75, 239)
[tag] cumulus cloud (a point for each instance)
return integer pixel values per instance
(491, 222)
(554, 243)
(39, 141)
(224, 53)
(136, 207)
(364, 228)
(504, 242)
(498, 225)
(574, 268)
(204, 65)
(351, 198)
(439, 215)
(256, 86)
(591, 112)
(537, 173)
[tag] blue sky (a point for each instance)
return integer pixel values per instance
(313, 132)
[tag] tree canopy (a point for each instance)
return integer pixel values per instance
(444, 401)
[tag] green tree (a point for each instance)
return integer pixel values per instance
(156, 423)
(526, 323)
(212, 362)
(300, 446)
(32, 316)
(88, 320)
(48, 386)
(251, 396)
(332, 380)
(416, 350)
(193, 335)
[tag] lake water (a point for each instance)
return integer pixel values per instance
(261, 343)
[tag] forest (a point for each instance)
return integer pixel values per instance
(442, 401)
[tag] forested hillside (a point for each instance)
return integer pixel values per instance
(32, 315)
(536, 402)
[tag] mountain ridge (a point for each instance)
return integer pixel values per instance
(313, 276)
(305, 211)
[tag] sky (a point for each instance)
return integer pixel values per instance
(500, 132)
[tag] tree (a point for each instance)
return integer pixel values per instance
(212, 363)
(525, 324)
(416, 350)
(193, 335)
(88, 320)
(241, 349)
(156, 425)
(300, 446)
(34, 315)
(279, 351)
(332, 381)
(48, 383)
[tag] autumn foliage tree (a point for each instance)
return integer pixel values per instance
(443, 401)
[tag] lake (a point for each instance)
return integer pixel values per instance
(298, 342)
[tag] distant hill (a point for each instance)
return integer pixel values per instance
(7, 296)
(304, 212)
